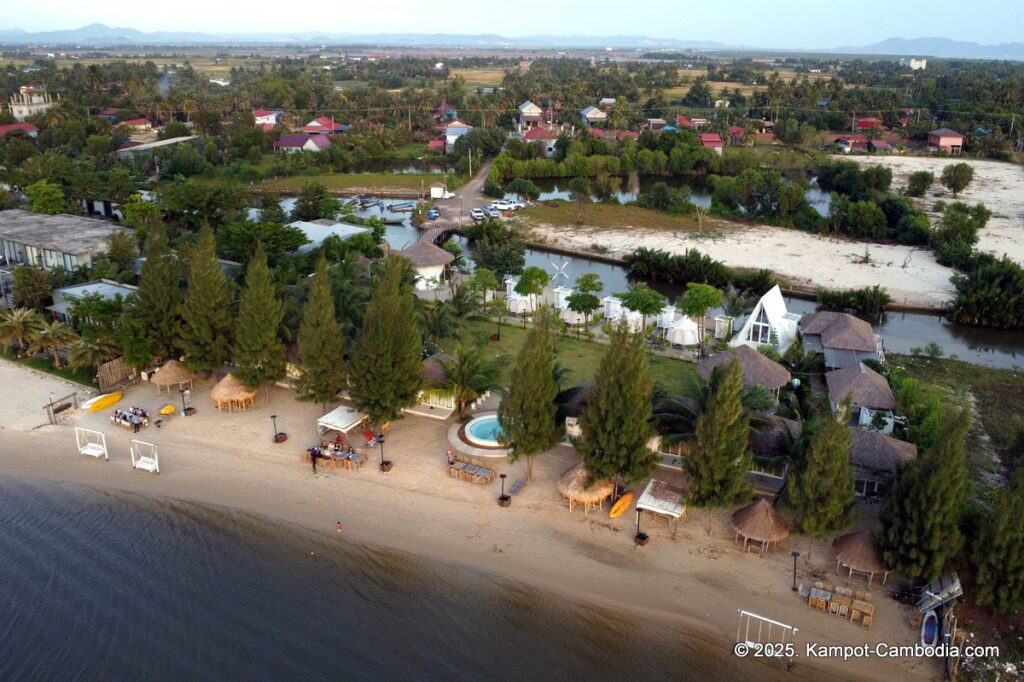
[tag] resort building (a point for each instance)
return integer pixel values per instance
(869, 392)
(615, 312)
(769, 324)
(678, 329)
(429, 261)
(843, 339)
(875, 458)
(758, 369)
(30, 101)
(519, 304)
(65, 297)
(51, 241)
(318, 230)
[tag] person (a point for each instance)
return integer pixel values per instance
(188, 396)
(135, 422)
(313, 454)
(451, 456)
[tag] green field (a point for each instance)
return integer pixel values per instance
(363, 182)
(611, 216)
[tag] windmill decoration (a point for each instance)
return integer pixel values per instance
(559, 272)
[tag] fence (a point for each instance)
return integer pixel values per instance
(114, 374)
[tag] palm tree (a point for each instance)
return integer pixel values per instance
(16, 327)
(51, 335)
(736, 303)
(91, 352)
(439, 321)
(470, 373)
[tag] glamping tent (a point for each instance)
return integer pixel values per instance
(172, 375)
(759, 525)
(231, 394)
(578, 488)
(519, 304)
(857, 552)
(682, 332)
(769, 322)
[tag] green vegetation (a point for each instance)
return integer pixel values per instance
(321, 373)
(999, 551)
(258, 352)
(360, 182)
(207, 321)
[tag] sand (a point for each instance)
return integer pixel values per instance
(694, 581)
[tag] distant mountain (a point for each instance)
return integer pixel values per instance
(939, 47)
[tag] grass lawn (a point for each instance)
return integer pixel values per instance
(998, 393)
(580, 356)
(482, 77)
(79, 376)
(413, 150)
(612, 216)
(347, 182)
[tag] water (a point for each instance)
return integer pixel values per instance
(485, 429)
(98, 586)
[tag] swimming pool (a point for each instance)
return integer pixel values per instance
(485, 430)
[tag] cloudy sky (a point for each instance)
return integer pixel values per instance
(774, 23)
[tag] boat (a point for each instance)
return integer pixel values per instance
(930, 628)
(621, 506)
(392, 220)
(102, 402)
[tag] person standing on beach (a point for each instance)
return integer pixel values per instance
(313, 454)
(451, 456)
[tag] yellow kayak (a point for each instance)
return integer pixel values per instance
(102, 402)
(167, 409)
(621, 506)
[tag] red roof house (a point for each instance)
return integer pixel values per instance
(27, 128)
(138, 124)
(736, 134)
(538, 134)
(867, 123)
(712, 141)
(435, 146)
(683, 122)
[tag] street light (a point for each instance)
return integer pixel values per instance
(273, 417)
(795, 554)
(384, 464)
(504, 500)
(640, 538)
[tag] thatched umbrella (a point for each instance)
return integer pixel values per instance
(578, 487)
(759, 522)
(172, 374)
(230, 393)
(857, 552)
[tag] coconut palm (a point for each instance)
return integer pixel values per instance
(91, 352)
(470, 373)
(16, 327)
(51, 335)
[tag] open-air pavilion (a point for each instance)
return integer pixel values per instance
(759, 525)
(341, 419)
(664, 499)
(856, 551)
(172, 375)
(578, 489)
(231, 394)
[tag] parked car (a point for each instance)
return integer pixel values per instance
(493, 213)
(433, 214)
(477, 214)
(516, 205)
(502, 205)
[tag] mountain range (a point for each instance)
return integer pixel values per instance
(100, 35)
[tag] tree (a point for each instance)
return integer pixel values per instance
(160, 296)
(483, 282)
(259, 353)
(532, 283)
(44, 197)
(141, 216)
(321, 373)
(499, 308)
(698, 299)
(92, 352)
(527, 412)
(919, 182)
(999, 551)
(583, 300)
(16, 327)
(121, 250)
(238, 241)
(503, 255)
(921, 517)
(823, 491)
(720, 459)
(32, 286)
(205, 313)
(386, 372)
(956, 177)
(616, 422)
(51, 335)
(314, 202)
(645, 301)
(270, 209)
(470, 373)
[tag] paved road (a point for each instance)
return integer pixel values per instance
(468, 197)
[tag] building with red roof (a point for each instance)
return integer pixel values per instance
(849, 143)
(435, 146)
(26, 128)
(543, 137)
(712, 141)
(140, 124)
(683, 122)
(867, 123)
(326, 125)
(299, 142)
(736, 134)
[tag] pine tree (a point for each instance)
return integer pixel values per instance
(259, 353)
(921, 518)
(322, 374)
(616, 423)
(823, 491)
(206, 313)
(999, 551)
(527, 412)
(160, 295)
(386, 372)
(720, 459)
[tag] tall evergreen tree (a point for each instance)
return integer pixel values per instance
(259, 353)
(160, 295)
(321, 375)
(719, 460)
(999, 551)
(527, 412)
(822, 492)
(206, 311)
(386, 371)
(921, 517)
(616, 423)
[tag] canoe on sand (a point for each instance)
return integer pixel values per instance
(621, 506)
(102, 402)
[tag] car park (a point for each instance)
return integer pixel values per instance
(477, 214)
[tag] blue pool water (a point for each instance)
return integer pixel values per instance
(485, 429)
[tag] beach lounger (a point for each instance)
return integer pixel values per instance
(455, 469)
(483, 475)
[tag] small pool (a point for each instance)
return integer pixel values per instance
(485, 431)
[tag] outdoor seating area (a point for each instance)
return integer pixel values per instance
(760, 526)
(132, 419)
(231, 394)
(578, 489)
(857, 553)
(470, 470)
(336, 452)
(857, 607)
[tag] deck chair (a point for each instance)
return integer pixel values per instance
(844, 611)
(866, 622)
(819, 585)
(855, 617)
(867, 597)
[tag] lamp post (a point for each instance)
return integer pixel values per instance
(504, 500)
(273, 417)
(641, 538)
(385, 465)
(795, 554)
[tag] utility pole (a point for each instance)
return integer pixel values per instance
(1013, 119)
(470, 162)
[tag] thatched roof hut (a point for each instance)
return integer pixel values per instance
(857, 552)
(577, 487)
(230, 394)
(759, 522)
(758, 369)
(172, 374)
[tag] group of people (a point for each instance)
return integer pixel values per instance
(133, 418)
(335, 449)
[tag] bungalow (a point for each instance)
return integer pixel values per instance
(867, 123)
(110, 113)
(593, 116)
(615, 312)
(849, 143)
(544, 138)
(875, 458)
(299, 142)
(65, 298)
(607, 102)
(26, 128)
(453, 131)
(656, 123)
(678, 329)
(429, 262)
(137, 125)
(946, 140)
(519, 304)
(712, 141)
(844, 340)
(758, 369)
(769, 323)
(529, 115)
(436, 400)
(879, 146)
(50, 241)
(868, 392)
(266, 117)
(699, 122)
(325, 125)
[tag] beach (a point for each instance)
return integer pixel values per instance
(694, 581)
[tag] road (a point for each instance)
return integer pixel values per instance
(468, 197)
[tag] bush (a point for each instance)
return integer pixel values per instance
(493, 188)
(919, 183)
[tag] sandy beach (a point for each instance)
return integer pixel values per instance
(695, 581)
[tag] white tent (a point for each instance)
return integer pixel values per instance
(341, 418)
(667, 316)
(767, 321)
(682, 332)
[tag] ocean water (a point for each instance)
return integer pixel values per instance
(101, 586)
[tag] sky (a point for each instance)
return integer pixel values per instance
(802, 24)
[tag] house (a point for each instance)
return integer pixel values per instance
(267, 117)
(429, 262)
(875, 458)
(712, 141)
(879, 146)
(318, 230)
(110, 113)
(30, 101)
(850, 143)
(593, 116)
(137, 125)
(656, 123)
(300, 142)
(699, 122)
(736, 134)
(844, 340)
(324, 125)
(868, 391)
(558, 298)
(544, 138)
(436, 400)
(453, 131)
(769, 323)
(683, 122)
(867, 123)
(722, 104)
(65, 298)
(435, 147)
(135, 149)
(607, 102)
(529, 115)
(946, 140)
(915, 64)
(26, 128)
(758, 368)
(439, 190)
(50, 241)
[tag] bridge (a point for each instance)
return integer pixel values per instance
(439, 233)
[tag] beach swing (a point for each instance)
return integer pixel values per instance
(144, 456)
(92, 443)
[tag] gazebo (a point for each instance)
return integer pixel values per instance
(172, 374)
(856, 551)
(230, 394)
(578, 488)
(759, 525)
